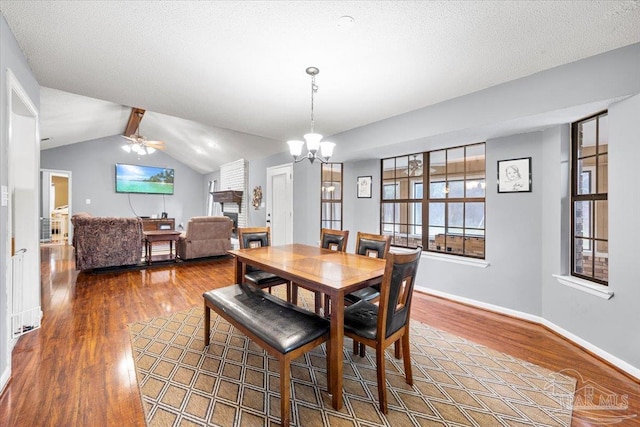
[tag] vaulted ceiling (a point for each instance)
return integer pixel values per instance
(226, 80)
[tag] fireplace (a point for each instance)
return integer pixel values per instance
(234, 218)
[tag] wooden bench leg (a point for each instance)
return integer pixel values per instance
(285, 389)
(207, 324)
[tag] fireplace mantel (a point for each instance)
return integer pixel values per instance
(228, 196)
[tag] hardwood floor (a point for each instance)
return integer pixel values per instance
(77, 370)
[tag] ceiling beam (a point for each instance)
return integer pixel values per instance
(134, 121)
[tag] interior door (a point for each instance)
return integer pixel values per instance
(21, 285)
(280, 204)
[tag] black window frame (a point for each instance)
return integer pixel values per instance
(467, 241)
(592, 198)
(331, 222)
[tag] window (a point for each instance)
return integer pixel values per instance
(401, 204)
(453, 207)
(456, 201)
(589, 195)
(331, 196)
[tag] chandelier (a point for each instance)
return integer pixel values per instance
(313, 140)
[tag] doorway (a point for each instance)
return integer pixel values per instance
(280, 203)
(22, 278)
(55, 206)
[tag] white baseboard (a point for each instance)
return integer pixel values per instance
(615, 361)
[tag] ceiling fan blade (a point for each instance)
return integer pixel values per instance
(130, 138)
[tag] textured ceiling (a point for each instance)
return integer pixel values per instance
(235, 70)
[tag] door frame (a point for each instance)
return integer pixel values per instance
(287, 169)
(68, 175)
(14, 88)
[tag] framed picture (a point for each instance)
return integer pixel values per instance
(364, 187)
(514, 176)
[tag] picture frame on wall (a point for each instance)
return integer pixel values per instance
(364, 187)
(514, 175)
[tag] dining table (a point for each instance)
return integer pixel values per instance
(332, 273)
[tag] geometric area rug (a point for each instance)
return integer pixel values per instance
(233, 382)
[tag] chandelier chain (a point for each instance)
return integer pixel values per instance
(314, 89)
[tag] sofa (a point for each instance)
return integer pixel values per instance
(205, 236)
(106, 241)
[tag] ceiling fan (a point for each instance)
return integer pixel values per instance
(137, 143)
(415, 166)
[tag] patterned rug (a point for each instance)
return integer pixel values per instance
(234, 382)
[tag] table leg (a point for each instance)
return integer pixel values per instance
(238, 271)
(334, 378)
(149, 246)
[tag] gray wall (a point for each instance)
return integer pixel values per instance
(353, 219)
(612, 324)
(258, 176)
(513, 245)
(527, 233)
(92, 164)
(11, 57)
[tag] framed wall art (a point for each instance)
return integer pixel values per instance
(514, 175)
(364, 187)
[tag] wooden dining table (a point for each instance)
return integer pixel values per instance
(333, 273)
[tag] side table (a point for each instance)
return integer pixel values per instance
(150, 237)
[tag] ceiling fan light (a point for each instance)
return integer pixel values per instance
(127, 148)
(150, 150)
(313, 141)
(295, 147)
(326, 148)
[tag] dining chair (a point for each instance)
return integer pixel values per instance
(380, 325)
(334, 240)
(371, 245)
(256, 237)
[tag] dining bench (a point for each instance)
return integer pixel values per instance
(284, 330)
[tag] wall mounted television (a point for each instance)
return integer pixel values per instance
(143, 179)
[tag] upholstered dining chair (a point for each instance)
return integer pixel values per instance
(256, 237)
(376, 246)
(334, 240)
(380, 325)
(372, 245)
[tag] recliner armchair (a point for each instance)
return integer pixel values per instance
(205, 236)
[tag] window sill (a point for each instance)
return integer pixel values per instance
(585, 286)
(473, 262)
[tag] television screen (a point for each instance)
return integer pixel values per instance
(143, 179)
